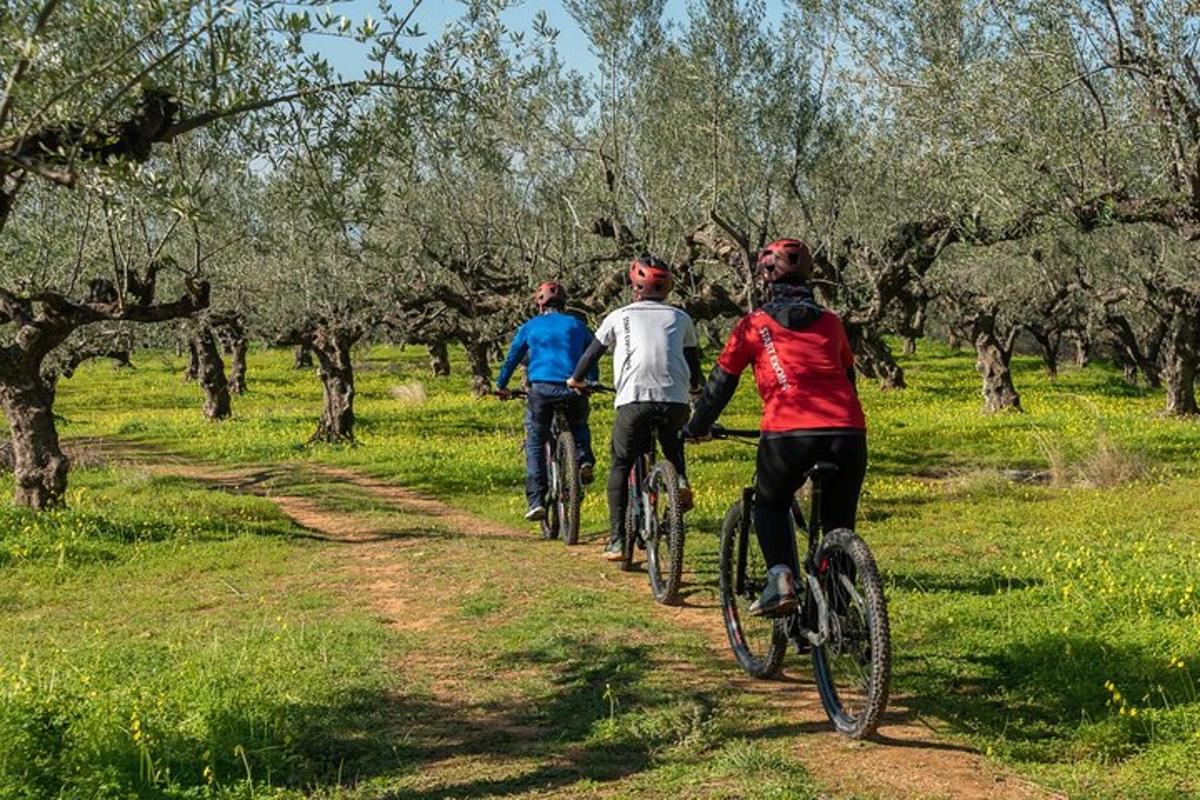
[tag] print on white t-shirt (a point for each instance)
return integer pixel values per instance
(647, 339)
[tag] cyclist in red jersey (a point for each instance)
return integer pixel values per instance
(804, 370)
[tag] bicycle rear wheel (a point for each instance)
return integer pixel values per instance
(570, 493)
(758, 643)
(664, 533)
(633, 519)
(853, 667)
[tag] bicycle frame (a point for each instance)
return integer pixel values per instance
(641, 500)
(558, 424)
(800, 623)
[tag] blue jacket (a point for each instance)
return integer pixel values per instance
(553, 343)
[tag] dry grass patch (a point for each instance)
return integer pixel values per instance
(409, 393)
(1104, 466)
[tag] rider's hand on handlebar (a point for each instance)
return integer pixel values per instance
(696, 436)
(503, 394)
(579, 387)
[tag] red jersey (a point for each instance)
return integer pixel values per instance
(801, 374)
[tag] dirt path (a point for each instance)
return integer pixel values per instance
(907, 759)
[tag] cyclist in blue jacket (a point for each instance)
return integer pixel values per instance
(549, 345)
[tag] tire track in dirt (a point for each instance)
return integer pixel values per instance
(906, 759)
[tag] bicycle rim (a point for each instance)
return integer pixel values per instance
(853, 667)
(570, 494)
(664, 533)
(759, 644)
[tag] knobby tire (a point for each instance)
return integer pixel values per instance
(666, 575)
(571, 491)
(862, 656)
(758, 644)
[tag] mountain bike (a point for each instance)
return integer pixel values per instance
(654, 523)
(564, 491)
(842, 618)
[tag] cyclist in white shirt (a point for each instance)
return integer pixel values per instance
(656, 358)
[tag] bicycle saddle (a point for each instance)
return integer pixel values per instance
(822, 470)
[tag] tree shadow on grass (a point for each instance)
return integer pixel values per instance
(556, 734)
(1036, 695)
(984, 584)
(462, 749)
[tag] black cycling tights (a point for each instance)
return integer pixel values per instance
(633, 435)
(782, 461)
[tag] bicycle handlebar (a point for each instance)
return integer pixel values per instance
(721, 432)
(592, 388)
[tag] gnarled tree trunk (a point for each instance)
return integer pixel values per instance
(229, 328)
(873, 357)
(992, 362)
(1083, 348)
(210, 374)
(910, 345)
(439, 359)
(332, 347)
(481, 371)
(1129, 370)
(1180, 368)
(1049, 344)
(237, 366)
(39, 465)
(1146, 358)
(192, 371)
(303, 359)
(993, 357)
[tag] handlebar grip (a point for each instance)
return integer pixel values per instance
(720, 432)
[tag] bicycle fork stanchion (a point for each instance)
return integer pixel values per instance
(743, 540)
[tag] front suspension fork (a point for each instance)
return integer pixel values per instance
(739, 580)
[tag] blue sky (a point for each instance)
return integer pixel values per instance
(433, 14)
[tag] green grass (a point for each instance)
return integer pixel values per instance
(160, 639)
(165, 640)
(1019, 612)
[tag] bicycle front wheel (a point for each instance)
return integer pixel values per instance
(633, 517)
(570, 494)
(758, 643)
(853, 667)
(664, 533)
(553, 518)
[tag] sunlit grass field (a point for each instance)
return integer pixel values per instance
(1054, 627)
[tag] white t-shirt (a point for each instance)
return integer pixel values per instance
(647, 339)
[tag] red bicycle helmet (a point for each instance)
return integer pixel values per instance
(785, 259)
(651, 276)
(550, 293)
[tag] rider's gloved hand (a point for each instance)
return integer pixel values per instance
(576, 386)
(503, 393)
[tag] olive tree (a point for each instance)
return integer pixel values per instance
(91, 92)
